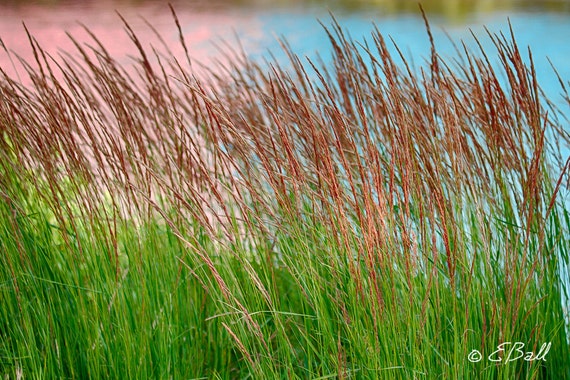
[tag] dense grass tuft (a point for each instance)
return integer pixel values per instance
(360, 219)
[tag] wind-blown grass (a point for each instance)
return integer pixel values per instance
(360, 219)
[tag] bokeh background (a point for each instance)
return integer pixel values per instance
(544, 26)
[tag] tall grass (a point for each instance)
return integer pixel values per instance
(359, 219)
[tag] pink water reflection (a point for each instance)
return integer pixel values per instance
(49, 25)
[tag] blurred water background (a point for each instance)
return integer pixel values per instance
(542, 25)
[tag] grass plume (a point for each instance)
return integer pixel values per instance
(356, 219)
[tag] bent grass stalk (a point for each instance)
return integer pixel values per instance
(291, 220)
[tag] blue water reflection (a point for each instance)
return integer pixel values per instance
(258, 26)
(545, 33)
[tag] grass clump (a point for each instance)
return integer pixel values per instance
(360, 219)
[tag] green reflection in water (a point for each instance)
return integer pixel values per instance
(447, 8)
